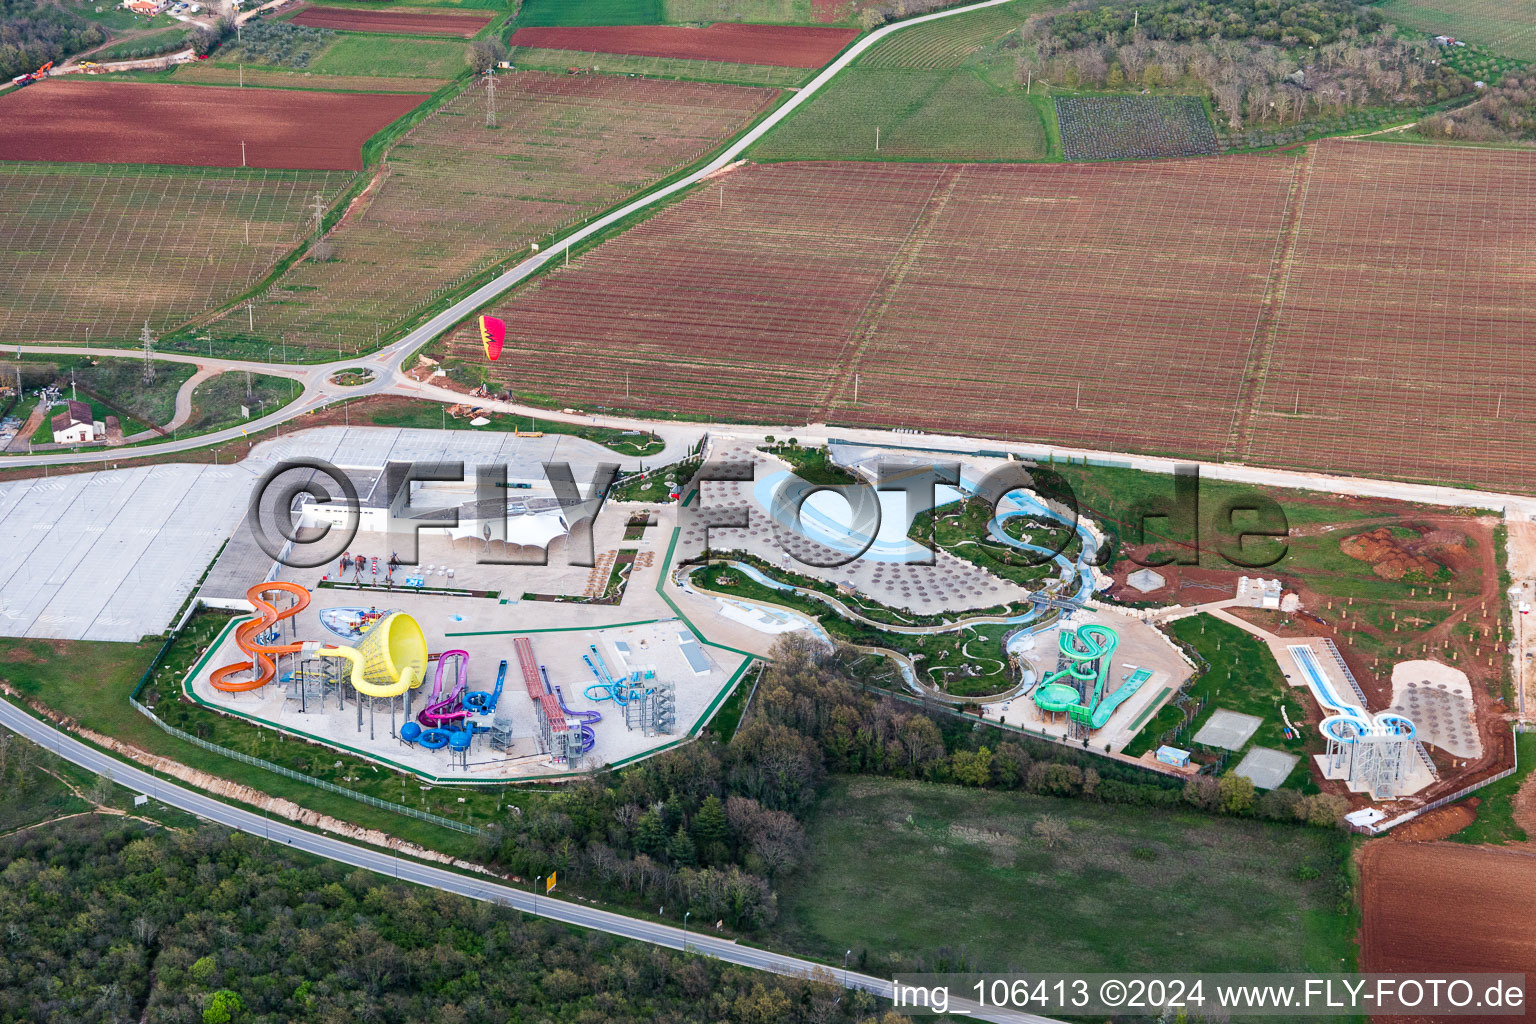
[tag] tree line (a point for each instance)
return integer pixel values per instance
(1261, 61)
(34, 32)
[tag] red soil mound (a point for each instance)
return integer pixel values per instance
(1390, 557)
(413, 23)
(789, 46)
(193, 125)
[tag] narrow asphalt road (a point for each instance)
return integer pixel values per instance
(464, 885)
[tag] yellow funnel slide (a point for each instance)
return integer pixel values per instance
(391, 659)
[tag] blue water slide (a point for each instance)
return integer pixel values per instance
(483, 703)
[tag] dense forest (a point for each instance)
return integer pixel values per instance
(714, 826)
(1261, 61)
(33, 32)
(112, 920)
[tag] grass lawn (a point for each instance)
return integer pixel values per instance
(1495, 822)
(653, 486)
(1505, 26)
(432, 416)
(591, 12)
(966, 663)
(961, 529)
(728, 716)
(922, 876)
(789, 12)
(33, 792)
(1243, 677)
(217, 400)
(813, 465)
(162, 41)
(931, 114)
(360, 53)
(536, 58)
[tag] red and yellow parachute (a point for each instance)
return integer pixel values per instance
(493, 333)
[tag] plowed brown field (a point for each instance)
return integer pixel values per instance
(790, 46)
(1441, 907)
(412, 23)
(193, 125)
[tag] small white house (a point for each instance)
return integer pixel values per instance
(76, 425)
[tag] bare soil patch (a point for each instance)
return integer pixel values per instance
(1440, 907)
(790, 46)
(194, 126)
(411, 23)
(1441, 824)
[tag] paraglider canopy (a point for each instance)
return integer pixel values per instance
(492, 333)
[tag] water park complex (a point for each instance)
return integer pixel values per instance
(470, 641)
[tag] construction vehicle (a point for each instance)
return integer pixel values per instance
(34, 76)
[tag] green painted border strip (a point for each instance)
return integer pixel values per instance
(661, 585)
(553, 629)
(692, 733)
(1146, 712)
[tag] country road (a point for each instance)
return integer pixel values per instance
(471, 886)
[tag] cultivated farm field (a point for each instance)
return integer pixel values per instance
(154, 123)
(538, 59)
(212, 73)
(1133, 127)
(1403, 320)
(1504, 26)
(455, 197)
(946, 43)
(795, 46)
(946, 114)
(345, 55)
(590, 12)
(1221, 308)
(1100, 304)
(787, 12)
(426, 23)
(1411, 891)
(92, 251)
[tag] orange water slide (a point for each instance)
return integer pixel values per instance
(267, 616)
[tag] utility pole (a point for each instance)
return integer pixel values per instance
(490, 96)
(147, 342)
(242, 141)
(856, 389)
(877, 138)
(319, 208)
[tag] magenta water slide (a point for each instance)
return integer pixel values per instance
(439, 713)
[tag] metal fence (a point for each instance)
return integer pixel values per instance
(277, 769)
(1460, 794)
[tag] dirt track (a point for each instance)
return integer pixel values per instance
(788, 46)
(1439, 907)
(411, 23)
(193, 126)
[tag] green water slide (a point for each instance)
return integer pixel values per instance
(1088, 651)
